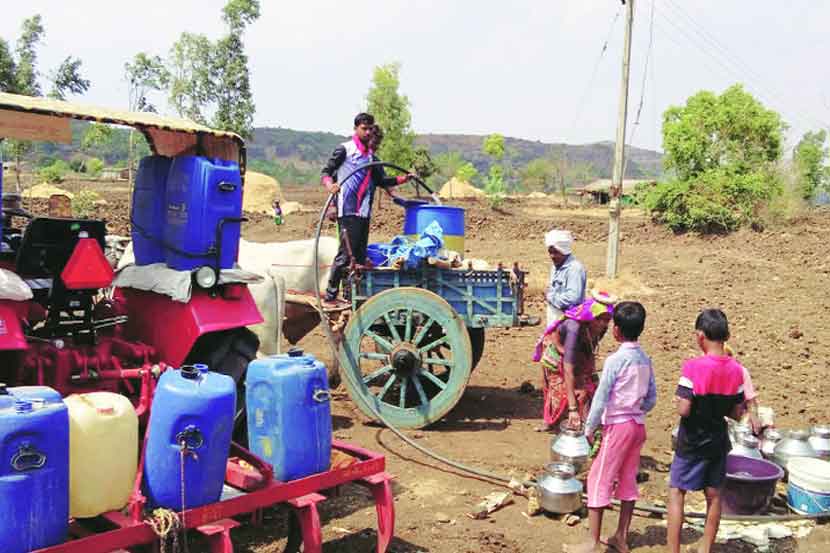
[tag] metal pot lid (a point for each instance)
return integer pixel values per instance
(820, 431)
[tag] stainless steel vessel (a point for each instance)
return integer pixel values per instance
(570, 446)
(559, 491)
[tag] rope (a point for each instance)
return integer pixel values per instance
(165, 523)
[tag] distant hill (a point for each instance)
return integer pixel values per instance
(303, 151)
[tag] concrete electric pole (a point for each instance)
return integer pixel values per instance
(612, 263)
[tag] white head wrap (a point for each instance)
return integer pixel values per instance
(562, 240)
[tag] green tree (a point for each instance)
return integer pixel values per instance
(8, 68)
(540, 174)
(810, 156)
(495, 189)
(422, 162)
(467, 172)
(732, 131)
(144, 74)
(391, 112)
(67, 79)
(191, 76)
(722, 150)
(96, 136)
(27, 73)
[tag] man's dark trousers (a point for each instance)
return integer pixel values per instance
(357, 232)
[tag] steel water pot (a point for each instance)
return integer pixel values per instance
(820, 440)
(559, 491)
(571, 446)
(769, 440)
(795, 444)
(747, 445)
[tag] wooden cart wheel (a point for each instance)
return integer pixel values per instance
(477, 342)
(407, 354)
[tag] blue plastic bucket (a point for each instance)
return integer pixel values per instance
(451, 219)
(808, 490)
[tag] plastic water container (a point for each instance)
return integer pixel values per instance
(289, 414)
(192, 416)
(34, 469)
(201, 192)
(808, 489)
(451, 219)
(103, 452)
(149, 209)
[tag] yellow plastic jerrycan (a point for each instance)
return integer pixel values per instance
(103, 452)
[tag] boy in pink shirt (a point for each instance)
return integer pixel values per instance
(626, 392)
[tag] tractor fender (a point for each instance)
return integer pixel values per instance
(173, 327)
(11, 331)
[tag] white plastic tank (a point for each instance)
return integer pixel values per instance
(103, 452)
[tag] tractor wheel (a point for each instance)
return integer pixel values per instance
(229, 352)
(406, 354)
(477, 342)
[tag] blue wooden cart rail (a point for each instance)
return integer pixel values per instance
(482, 298)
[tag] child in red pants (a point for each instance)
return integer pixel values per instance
(626, 392)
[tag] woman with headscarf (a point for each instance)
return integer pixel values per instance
(567, 352)
(566, 287)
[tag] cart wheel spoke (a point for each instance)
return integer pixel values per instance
(439, 342)
(402, 400)
(384, 344)
(407, 335)
(420, 389)
(423, 331)
(437, 361)
(434, 379)
(380, 372)
(389, 383)
(374, 356)
(393, 331)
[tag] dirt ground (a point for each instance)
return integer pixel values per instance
(772, 285)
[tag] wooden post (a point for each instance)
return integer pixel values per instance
(612, 262)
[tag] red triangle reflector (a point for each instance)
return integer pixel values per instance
(87, 268)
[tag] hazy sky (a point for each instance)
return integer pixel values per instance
(524, 68)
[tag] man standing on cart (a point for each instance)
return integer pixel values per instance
(354, 197)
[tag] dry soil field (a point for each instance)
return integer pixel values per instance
(773, 286)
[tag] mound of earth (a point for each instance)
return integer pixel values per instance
(455, 188)
(260, 192)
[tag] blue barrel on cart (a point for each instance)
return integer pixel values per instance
(34, 469)
(204, 195)
(419, 216)
(149, 209)
(289, 414)
(191, 418)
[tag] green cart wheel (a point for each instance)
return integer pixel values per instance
(406, 354)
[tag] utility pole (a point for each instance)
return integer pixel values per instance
(612, 262)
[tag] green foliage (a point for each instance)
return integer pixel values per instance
(422, 162)
(191, 76)
(722, 150)
(238, 14)
(145, 74)
(285, 173)
(732, 131)
(391, 112)
(810, 156)
(26, 73)
(8, 68)
(540, 174)
(713, 202)
(494, 146)
(55, 172)
(67, 79)
(84, 204)
(94, 166)
(466, 172)
(234, 101)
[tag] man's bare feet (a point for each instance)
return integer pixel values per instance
(617, 544)
(586, 547)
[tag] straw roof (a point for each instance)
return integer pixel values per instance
(604, 185)
(170, 136)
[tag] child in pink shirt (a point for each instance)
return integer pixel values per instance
(627, 391)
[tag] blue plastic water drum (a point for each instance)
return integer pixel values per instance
(289, 414)
(34, 469)
(451, 219)
(196, 408)
(201, 192)
(149, 209)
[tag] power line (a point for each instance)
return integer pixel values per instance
(731, 64)
(636, 124)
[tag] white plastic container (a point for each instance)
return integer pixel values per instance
(808, 489)
(103, 452)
